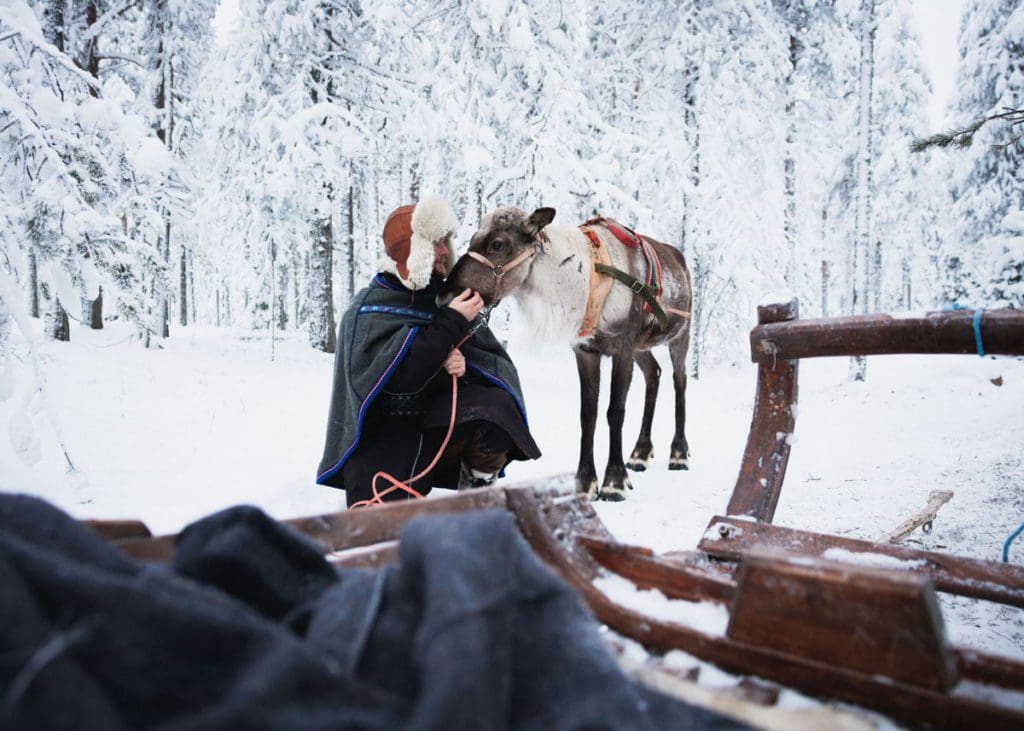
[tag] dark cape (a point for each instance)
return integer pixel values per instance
(376, 418)
(251, 628)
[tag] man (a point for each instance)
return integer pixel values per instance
(391, 402)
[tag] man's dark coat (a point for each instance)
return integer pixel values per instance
(391, 400)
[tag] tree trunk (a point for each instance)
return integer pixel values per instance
(907, 299)
(686, 243)
(183, 288)
(824, 288)
(297, 261)
(164, 105)
(271, 320)
(192, 285)
(165, 305)
(92, 311)
(861, 275)
(350, 237)
(33, 285)
(876, 278)
(96, 311)
(56, 323)
(53, 23)
(414, 182)
(789, 165)
(91, 62)
(697, 323)
(281, 305)
(321, 316)
(687, 237)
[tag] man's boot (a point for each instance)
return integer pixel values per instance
(470, 478)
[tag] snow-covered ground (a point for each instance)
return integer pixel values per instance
(209, 421)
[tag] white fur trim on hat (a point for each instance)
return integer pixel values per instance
(432, 219)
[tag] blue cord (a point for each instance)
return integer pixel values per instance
(1006, 546)
(977, 331)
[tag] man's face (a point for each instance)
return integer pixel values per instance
(441, 257)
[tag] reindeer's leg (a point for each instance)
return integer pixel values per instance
(644, 449)
(679, 459)
(589, 367)
(616, 481)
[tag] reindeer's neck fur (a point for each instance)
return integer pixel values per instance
(554, 296)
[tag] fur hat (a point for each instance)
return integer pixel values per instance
(409, 235)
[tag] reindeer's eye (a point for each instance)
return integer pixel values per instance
(497, 245)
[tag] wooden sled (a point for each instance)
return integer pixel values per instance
(873, 637)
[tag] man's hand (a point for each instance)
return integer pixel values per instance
(455, 363)
(468, 304)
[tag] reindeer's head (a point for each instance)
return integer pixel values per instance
(499, 254)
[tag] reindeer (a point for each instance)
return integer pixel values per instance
(584, 285)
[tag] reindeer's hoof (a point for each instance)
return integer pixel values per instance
(588, 489)
(638, 461)
(612, 494)
(640, 458)
(679, 460)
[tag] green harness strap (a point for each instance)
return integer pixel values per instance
(643, 290)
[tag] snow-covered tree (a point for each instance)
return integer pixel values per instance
(988, 176)
(177, 38)
(279, 147)
(906, 201)
(76, 165)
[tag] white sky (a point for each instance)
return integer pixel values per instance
(938, 22)
(227, 11)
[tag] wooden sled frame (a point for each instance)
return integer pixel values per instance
(868, 636)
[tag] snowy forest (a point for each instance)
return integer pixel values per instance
(154, 174)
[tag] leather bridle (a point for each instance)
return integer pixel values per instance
(500, 270)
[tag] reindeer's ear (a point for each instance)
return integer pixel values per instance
(541, 218)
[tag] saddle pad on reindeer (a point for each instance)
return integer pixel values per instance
(631, 240)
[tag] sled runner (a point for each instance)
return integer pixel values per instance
(838, 629)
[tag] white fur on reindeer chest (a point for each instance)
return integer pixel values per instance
(554, 296)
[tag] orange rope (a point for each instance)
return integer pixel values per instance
(396, 484)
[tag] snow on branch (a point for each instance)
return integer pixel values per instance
(22, 435)
(963, 138)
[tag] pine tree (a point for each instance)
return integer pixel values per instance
(981, 260)
(906, 201)
(278, 147)
(75, 161)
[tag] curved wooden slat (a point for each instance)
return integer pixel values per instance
(767, 452)
(910, 703)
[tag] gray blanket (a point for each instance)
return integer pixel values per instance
(251, 628)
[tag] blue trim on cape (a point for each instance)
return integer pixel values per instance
(365, 405)
(504, 387)
(394, 310)
(381, 282)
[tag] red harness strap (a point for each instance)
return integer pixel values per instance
(632, 240)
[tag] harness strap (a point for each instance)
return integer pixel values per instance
(599, 287)
(500, 270)
(648, 293)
